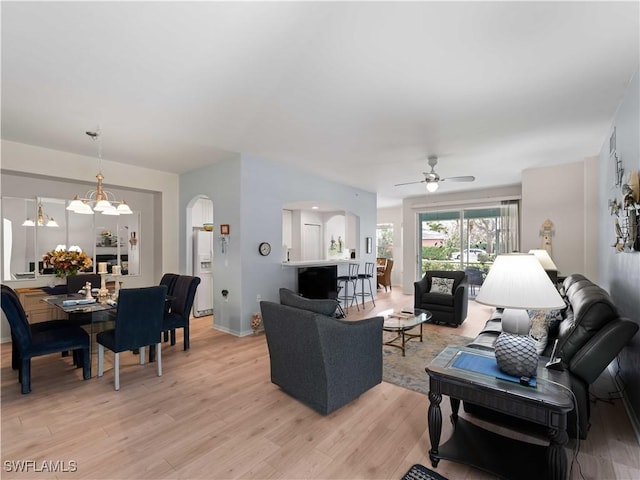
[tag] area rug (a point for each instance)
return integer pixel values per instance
(420, 472)
(408, 371)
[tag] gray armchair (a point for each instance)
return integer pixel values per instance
(322, 361)
(445, 308)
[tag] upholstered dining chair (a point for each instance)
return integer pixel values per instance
(76, 282)
(35, 328)
(33, 342)
(184, 291)
(138, 325)
(168, 279)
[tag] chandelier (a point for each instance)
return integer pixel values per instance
(40, 220)
(99, 200)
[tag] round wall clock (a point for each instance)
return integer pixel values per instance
(264, 248)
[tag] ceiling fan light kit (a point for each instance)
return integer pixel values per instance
(432, 179)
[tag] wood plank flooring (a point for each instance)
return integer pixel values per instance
(215, 414)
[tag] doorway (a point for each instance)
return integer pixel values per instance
(199, 249)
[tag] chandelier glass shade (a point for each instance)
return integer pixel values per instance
(99, 200)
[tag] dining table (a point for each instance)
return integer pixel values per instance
(91, 314)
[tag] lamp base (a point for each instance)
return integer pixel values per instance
(516, 321)
(516, 355)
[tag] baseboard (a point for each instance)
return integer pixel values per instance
(233, 332)
(633, 419)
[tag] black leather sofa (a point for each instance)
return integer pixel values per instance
(590, 335)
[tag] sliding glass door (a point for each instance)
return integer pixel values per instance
(466, 239)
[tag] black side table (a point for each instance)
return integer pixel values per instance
(547, 405)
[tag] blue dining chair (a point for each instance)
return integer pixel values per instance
(138, 324)
(32, 342)
(168, 279)
(184, 291)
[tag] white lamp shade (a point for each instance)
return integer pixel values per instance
(110, 211)
(52, 223)
(85, 209)
(123, 209)
(28, 223)
(432, 186)
(75, 204)
(544, 258)
(519, 281)
(102, 205)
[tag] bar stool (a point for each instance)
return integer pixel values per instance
(367, 275)
(345, 280)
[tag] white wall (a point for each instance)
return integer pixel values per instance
(564, 194)
(249, 194)
(620, 272)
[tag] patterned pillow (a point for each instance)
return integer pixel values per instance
(441, 285)
(540, 331)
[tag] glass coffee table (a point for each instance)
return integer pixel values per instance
(401, 323)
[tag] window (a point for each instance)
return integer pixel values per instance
(384, 240)
(462, 238)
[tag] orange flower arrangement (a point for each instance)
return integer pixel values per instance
(67, 262)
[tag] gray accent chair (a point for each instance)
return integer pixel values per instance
(447, 309)
(324, 306)
(322, 361)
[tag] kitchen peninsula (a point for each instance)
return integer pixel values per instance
(319, 278)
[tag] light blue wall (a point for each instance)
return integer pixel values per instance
(620, 272)
(248, 193)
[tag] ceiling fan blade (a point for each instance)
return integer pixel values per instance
(468, 178)
(408, 183)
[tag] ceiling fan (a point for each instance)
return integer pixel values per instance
(432, 179)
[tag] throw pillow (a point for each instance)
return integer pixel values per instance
(441, 285)
(540, 332)
(553, 318)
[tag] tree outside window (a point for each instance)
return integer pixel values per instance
(384, 240)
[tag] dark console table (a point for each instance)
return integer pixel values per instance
(545, 405)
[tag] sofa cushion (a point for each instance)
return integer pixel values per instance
(322, 306)
(437, 299)
(591, 309)
(441, 285)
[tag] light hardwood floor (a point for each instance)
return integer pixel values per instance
(215, 414)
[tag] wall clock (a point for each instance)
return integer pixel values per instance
(264, 248)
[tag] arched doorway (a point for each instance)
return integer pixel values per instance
(199, 251)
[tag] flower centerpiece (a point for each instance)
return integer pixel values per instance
(66, 262)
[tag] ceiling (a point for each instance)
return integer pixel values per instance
(359, 93)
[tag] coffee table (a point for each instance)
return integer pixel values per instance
(401, 326)
(545, 405)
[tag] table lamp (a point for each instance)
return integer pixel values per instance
(517, 282)
(545, 260)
